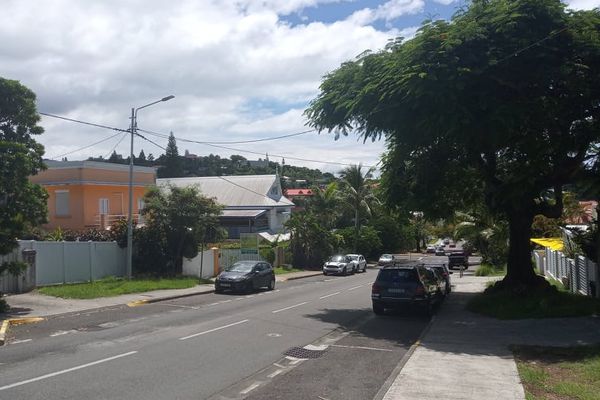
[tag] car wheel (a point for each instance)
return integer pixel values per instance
(218, 291)
(272, 284)
(378, 309)
(344, 271)
(353, 271)
(249, 287)
(324, 273)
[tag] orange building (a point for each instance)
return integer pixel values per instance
(84, 194)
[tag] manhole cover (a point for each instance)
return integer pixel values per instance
(300, 352)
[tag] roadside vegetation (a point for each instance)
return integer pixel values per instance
(490, 270)
(116, 286)
(285, 270)
(559, 373)
(544, 302)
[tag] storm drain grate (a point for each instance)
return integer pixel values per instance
(300, 352)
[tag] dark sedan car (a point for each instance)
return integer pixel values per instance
(246, 276)
(404, 286)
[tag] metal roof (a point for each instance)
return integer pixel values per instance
(242, 213)
(236, 190)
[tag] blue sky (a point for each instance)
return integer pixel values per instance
(239, 70)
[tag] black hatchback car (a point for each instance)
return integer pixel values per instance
(246, 276)
(402, 286)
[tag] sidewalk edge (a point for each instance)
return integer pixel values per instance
(16, 321)
(293, 278)
(390, 380)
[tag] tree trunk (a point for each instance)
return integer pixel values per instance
(519, 269)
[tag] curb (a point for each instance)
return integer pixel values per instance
(293, 278)
(137, 303)
(16, 321)
(390, 380)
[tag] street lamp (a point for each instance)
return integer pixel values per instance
(130, 214)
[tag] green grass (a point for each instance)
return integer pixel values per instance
(559, 372)
(116, 286)
(490, 270)
(285, 270)
(540, 304)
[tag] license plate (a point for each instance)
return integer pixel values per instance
(225, 285)
(396, 290)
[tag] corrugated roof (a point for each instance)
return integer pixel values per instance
(242, 213)
(235, 191)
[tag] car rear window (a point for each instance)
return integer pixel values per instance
(397, 275)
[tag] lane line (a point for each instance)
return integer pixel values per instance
(361, 347)
(250, 388)
(182, 306)
(64, 371)
(287, 308)
(225, 301)
(278, 365)
(213, 330)
(213, 304)
(329, 295)
(355, 287)
(21, 341)
(274, 374)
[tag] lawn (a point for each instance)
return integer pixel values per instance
(540, 304)
(116, 286)
(559, 373)
(285, 270)
(490, 270)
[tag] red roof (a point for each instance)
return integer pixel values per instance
(298, 192)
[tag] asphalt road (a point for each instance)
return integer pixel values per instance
(215, 346)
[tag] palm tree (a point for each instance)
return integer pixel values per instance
(324, 204)
(357, 193)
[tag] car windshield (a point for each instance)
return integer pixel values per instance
(386, 256)
(397, 275)
(354, 257)
(337, 258)
(241, 267)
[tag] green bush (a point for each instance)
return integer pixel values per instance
(490, 270)
(369, 243)
(267, 254)
(4, 307)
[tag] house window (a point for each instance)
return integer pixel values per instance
(103, 206)
(140, 204)
(62, 203)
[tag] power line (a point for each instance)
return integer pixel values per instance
(86, 147)
(84, 122)
(164, 136)
(151, 141)
(115, 146)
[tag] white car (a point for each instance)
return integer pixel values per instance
(359, 261)
(339, 265)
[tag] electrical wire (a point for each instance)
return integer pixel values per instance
(115, 146)
(83, 122)
(86, 147)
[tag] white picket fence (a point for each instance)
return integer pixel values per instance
(581, 274)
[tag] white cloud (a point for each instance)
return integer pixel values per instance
(387, 11)
(583, 4)
(238, 70)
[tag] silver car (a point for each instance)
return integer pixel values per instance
(339, 265)
(360, 263)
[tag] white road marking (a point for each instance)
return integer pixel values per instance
(287, 308)
(360, 347)
(182, 306)
(109, 325)
(328, 295)
(250, 388)
(274, 374)
(214, 304)
(278, 366)
(213, 330)
(225, 301)
(355, 287)
(21, 341)
(313, 347)
(64, 371)
(60, 333)
(239, 298)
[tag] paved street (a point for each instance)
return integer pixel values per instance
(214, 345)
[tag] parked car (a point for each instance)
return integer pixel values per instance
(246, 276)
(402, 286)
(447, 241)
(385, 259)
(445, 273)
(430, 248)
(457, 259)
(339, 265)
(452, 245)
(360, 263)
(440, 251)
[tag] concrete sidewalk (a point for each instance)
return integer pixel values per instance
(35, 304)
(467, 356)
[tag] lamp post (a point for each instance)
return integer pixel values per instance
(130, 214)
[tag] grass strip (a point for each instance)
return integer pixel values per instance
(110, 287)
(559, 372)
(285, 270)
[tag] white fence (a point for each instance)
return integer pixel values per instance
(581, 274)
(202, 266)
(229, 256)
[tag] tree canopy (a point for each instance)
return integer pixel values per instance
(501, 104)
(22, 204)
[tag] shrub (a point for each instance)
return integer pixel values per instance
(4, 307)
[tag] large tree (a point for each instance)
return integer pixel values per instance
(22, 204)
(502, 103)
(173, 164)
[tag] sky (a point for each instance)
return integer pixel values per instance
(239, 70)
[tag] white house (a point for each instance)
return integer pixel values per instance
(253, 203)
